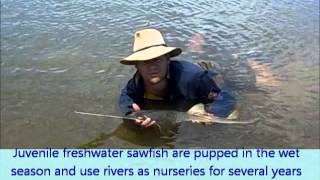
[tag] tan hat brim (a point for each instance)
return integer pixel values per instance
(150, 53)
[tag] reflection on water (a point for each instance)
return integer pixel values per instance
(58, 56)
(136, 137)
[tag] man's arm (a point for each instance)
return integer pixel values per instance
(218, 102)
(128, 96)
(125, 102)
(205, 87)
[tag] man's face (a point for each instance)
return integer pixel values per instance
(153, 70)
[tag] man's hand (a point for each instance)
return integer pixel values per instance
(142, 121)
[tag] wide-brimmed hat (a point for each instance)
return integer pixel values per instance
(149, 44)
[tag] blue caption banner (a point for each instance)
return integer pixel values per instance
(159, 163)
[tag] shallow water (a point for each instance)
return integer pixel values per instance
(58, 56)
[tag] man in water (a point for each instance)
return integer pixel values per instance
(161, 81)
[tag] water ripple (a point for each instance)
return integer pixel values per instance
(269, 51)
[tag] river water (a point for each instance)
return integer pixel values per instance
(61, 56)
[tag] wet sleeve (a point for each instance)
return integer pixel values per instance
(223, 105)
(125, 102)
(204, 86)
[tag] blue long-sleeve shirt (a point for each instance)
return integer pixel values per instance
(188, 84)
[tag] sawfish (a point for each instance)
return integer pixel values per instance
(195, 114)
(164, 131)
